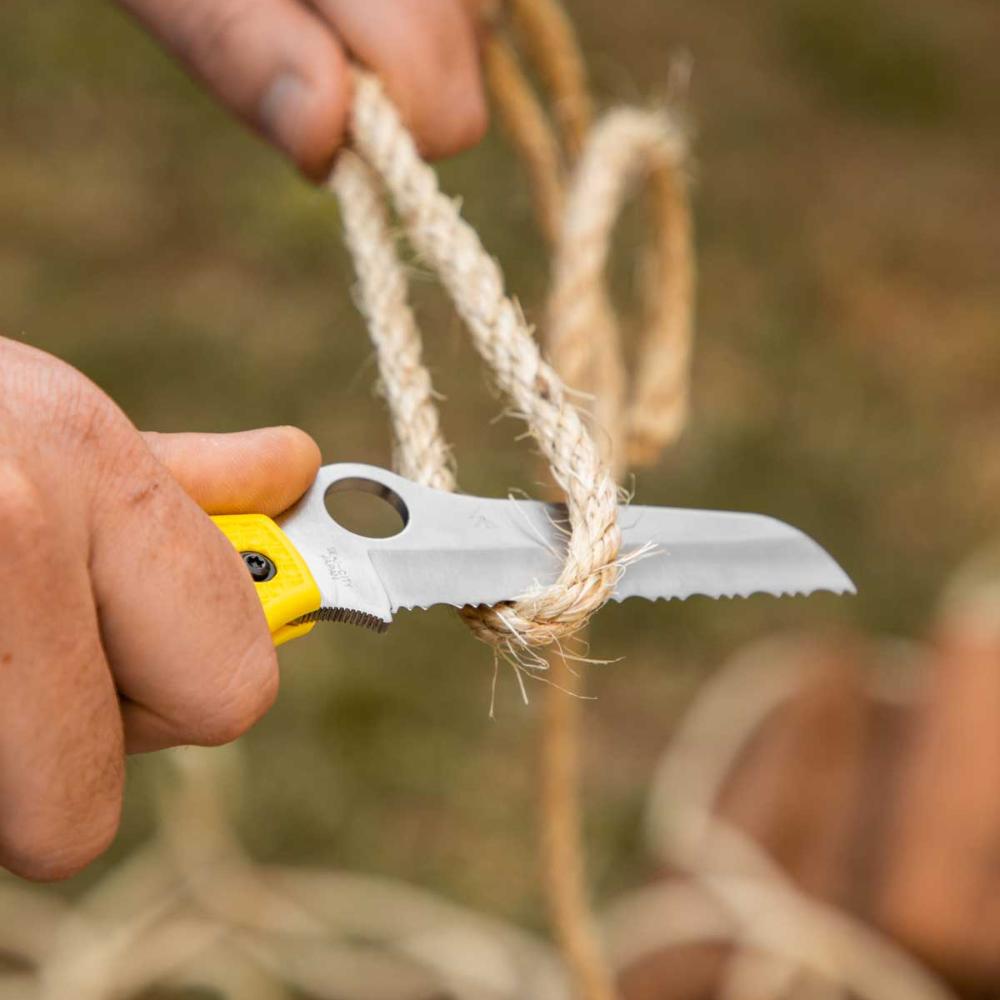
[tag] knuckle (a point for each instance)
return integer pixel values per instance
(88, 429)
(46, 850)
(21, 507)
(84, 416)
(249, 691)
(59, 404)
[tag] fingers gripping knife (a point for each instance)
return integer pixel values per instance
(460, 550)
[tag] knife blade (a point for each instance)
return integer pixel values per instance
(465, 550)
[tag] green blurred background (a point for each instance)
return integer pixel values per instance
(847, 378)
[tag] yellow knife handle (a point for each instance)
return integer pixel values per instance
(285, 586)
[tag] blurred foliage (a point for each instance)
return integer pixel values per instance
(847, 376)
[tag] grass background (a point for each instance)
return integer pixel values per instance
(847, 377)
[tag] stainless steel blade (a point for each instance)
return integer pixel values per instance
(460, 550)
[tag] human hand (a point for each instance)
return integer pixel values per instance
(127, 621)
(282, 65)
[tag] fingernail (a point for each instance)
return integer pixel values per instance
(283, 111)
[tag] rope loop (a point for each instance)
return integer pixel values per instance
(583, 337)
(581, 174)
(386, 166)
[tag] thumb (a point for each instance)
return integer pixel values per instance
(250, 472)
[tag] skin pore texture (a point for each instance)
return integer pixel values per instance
(128, 622)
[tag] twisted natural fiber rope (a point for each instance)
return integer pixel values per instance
(543, 28)
(420, 451)
(192, 909)
(583, 334)
(576, 215)
(775, 930)
(628, 145)
(473, 280)
(530, 132)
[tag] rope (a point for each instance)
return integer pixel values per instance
(580, 177)
(503, 339)
(627, 145)
(192, 909)
(582, 330)
(562, 856)
(420, 451)
(546, 32)
(381, 169)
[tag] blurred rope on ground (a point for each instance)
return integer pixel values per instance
(727, 887)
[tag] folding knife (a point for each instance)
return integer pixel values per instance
(462, 550)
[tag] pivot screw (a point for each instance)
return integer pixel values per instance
(261, 568)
